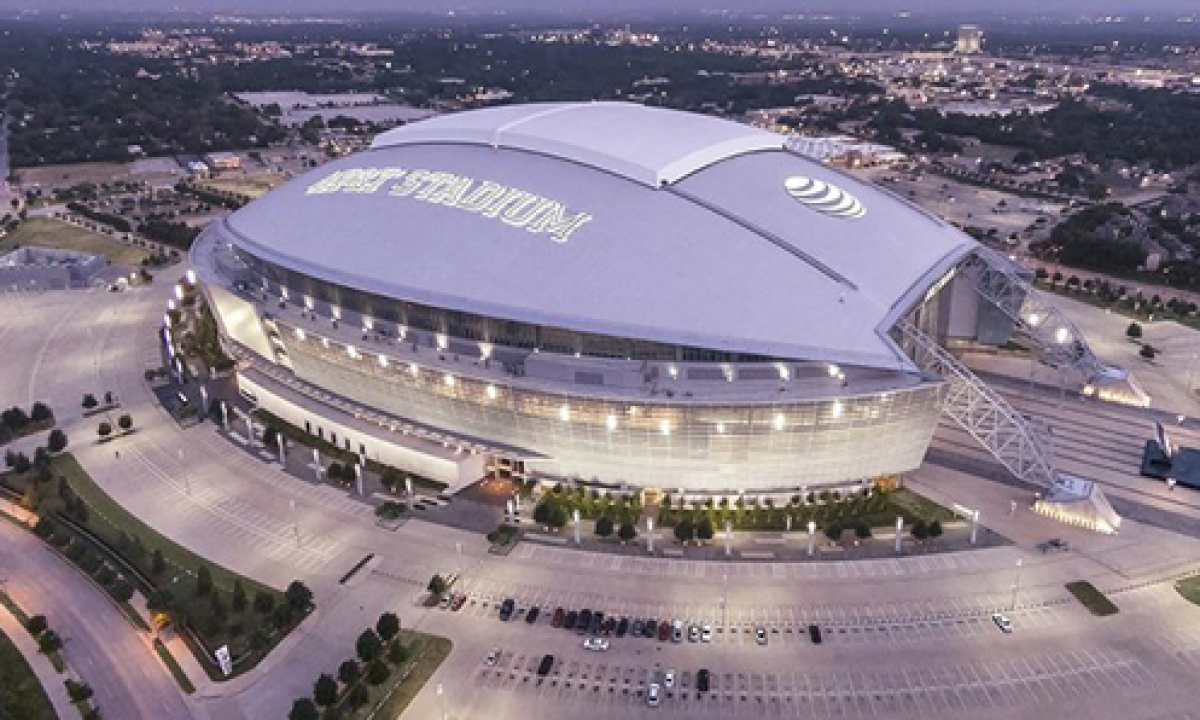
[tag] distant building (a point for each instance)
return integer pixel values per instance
(970, 40)
(223, 160)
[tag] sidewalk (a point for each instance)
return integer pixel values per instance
(51, 681)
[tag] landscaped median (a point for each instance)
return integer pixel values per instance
(21, 695)
(209, 605)
(389, 668)
(1092, 599)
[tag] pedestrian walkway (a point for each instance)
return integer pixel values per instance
(51, 681)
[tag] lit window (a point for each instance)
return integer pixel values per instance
(564, 413)
(780, 421)
(383, 361)
(664, 427)
(837, 408)
(611, 422)
(449, 380)
(491, 392)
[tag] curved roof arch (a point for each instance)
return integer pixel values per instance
(711, 240)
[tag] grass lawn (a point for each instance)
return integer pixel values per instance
(252, 185)
(1092, 599)
(51, 233)
(21, 695)
(1189, 588)
(172, 664)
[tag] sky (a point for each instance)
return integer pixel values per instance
(954, 7)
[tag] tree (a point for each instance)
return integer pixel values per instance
(397, 653)
(15, 418)
(325, 690)
(89, 401)
(40, 412)
(627, 532)
(377, 672)
(77, 691)
(388, 626)
(239, 596)
(437, 585)
(348, 672)
(49, 642)
(1148, 352)
(833, 531)
(704, 529)
(299, 597)
(558, 516)
(204, 583)
(920, 531)
(264, 602)
(358, 697)
(862, 530)
(368, 646)
(57, 442)
(304, 709)
(684, 530)
(104, 430)
(125, 422)
(541, 513)
(270, 436)
(935, 529)
(158, 563)
(604, 527)
(36, 625)
(122, 590)
(1134, 331)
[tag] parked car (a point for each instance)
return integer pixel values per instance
(760, 635)
(544, 668)
(583, 622)
(676, 631)
(669, 679)
(571, 619)
(610, 626)
(664, 631)
(492, 657)
(444, 603)
(653, 695)
(814, 634)
(706, 633)
(595, 644)
(506, 608)
(459, 601)
(638, 628)
(532, 616)
(623, 627)
(596, 623)
(694, 633)
(559, 616)
(702, 680)
(1003, 623)
(650, 629)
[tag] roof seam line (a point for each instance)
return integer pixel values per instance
(766, 235)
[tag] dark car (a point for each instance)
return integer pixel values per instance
(814, 634)
(532, 616)
(546, 664)
(596, 623)
(664, 631)
(637, 628)
(622, 627)
(559, 616)
(609, 626)
(506, 608)
(702, 680)
(650, 629)
(571, 619)
(584, 621)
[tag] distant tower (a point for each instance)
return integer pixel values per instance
(970, 40)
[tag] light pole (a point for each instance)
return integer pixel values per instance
(812, 537)
(187, 480)
(442, 700)
(650, 533)
(1016, 585)
(974, 526)
(1191, 371)
(899, 532)
(295, 521)
(728, 538)
(575, 517)
(724, 602)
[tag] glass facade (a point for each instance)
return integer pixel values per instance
(692, 445)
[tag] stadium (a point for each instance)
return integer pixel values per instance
(622, 296)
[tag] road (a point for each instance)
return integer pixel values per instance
(898, 648)
(99, 643)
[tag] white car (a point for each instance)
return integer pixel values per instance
(493, 657)
(669, 679)
(596, 644)
(706, 633)
(653, 695)
(1003, 623)
(760, 636)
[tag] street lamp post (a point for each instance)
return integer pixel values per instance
(317, 464)
(575, 517)
(1016, 585)
(899, 532)
(442, 700)
(724, 602)
(974, 526)
(728, 538)
(650, 533)
(279, 442)
(812, 537)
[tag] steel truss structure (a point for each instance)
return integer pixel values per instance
(1051, 334)
(1021, 446)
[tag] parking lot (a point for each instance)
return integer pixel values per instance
(908, 690)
